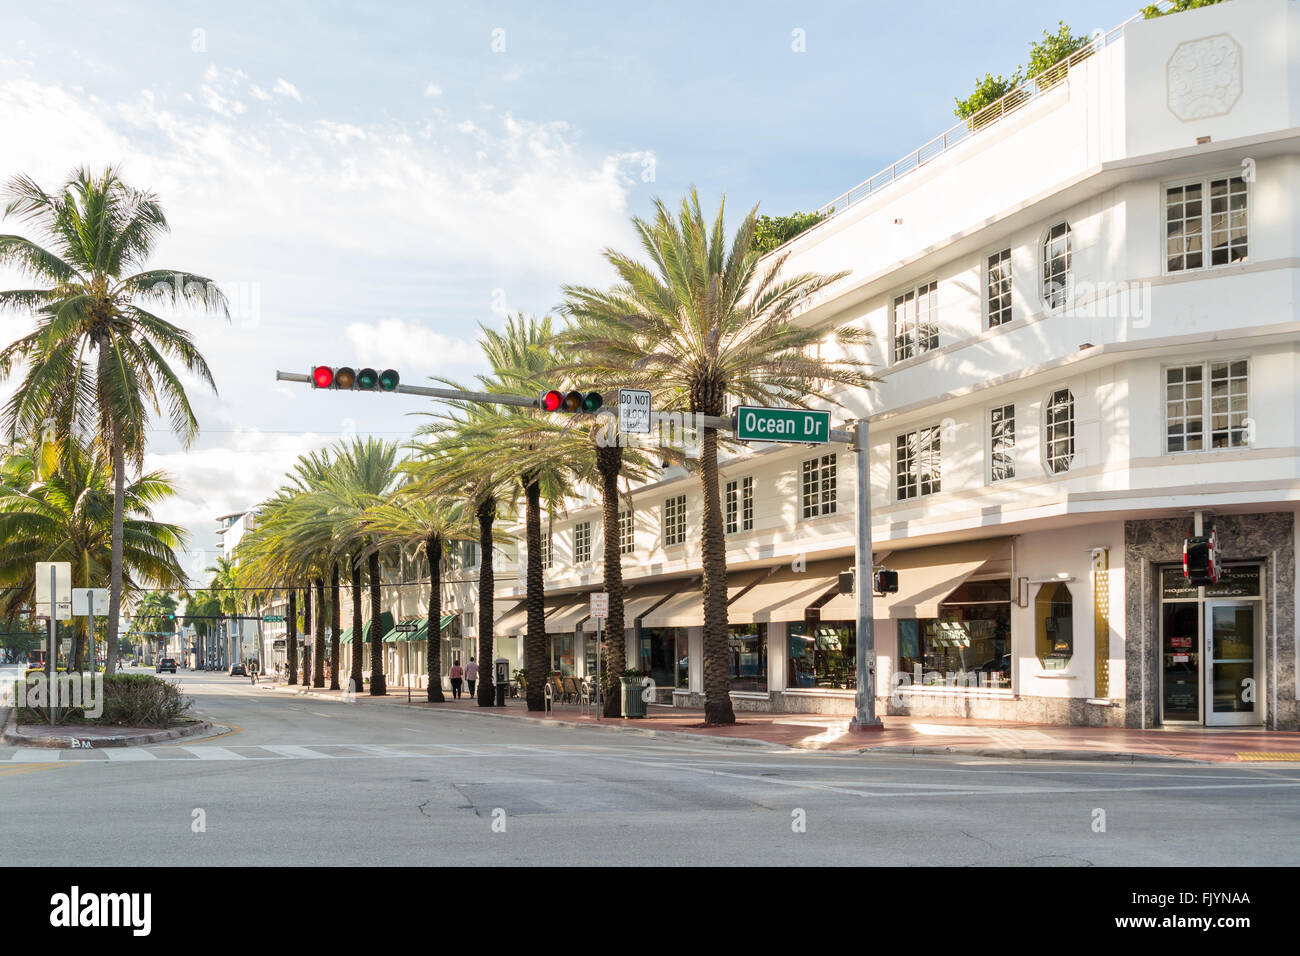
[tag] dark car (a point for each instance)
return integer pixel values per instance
(237, 670)
(165, 664)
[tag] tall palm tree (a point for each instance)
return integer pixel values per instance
(97, 358)
(431, 525)
(56, 504)
(227, 585)
(702, 321)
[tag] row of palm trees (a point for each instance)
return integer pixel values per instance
(704, 321)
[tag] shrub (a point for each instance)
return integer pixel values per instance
(1153, 11)
(773, 231)
(988, 90)
(1053, 48)
(130, 700)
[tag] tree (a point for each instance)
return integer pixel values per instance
(227, 587)
(1153, 11)
(773, 231)
(98, 359)
(700, 323)
(1053, 48)
(988, 90)
(56, 504)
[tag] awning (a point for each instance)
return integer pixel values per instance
(639, 600)
(346, 637)
(925, 577)
(514, 621)
(686, 609)
(445, 623)
(385, 625)
(786, 594)
(567, 613)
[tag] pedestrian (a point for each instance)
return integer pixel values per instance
(456, 673)
(471, 675)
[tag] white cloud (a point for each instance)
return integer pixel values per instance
(393, 343)
(432, 90)
(284, 88)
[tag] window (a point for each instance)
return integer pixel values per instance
(916, 321)
(1189, 405)
(1002, 443)
(819, 486)
(967, 645)
(1188, 220)
(626, 533)
(582, 542)
(1059, 434)
(916, 461)
(548, 552)
(675, 520)
(997, 288)
(1056, 266)
(1054, 625)
(822, 654)
(747, 646)
(468, 554)
(740, 505)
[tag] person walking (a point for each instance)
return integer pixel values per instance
(456, 673)
(471, 675)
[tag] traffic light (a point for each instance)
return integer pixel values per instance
(349, 379)
(886, 582)
(575, 401)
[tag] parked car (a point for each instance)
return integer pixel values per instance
(165, 664)
(237, 670)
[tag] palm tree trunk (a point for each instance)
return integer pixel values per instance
(306, 634)
(335, 616)
(486, 513)
(717, 671)
(318, 658)
(358, 649)
(378, 686)
(291, 636)
(433, 654)
(115, 575)
(609, 461)
(535, 657)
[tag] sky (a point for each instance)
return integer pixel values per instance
(369, 182)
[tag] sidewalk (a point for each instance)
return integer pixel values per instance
(905, 735)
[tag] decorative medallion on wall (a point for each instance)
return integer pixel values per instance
(1204, 77)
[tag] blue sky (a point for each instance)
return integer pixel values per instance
(371, 180)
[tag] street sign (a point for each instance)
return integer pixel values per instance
(272, 618)
(799, 425)
(407, 627)
(600, 604)
(89, 601)
(634, 411)
(62, 581)
(278, 645)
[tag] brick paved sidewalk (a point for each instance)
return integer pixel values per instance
(907, 734)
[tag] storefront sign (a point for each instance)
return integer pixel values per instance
(1241, 580)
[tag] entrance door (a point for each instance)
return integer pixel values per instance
(1231, 680)
(1181, 660)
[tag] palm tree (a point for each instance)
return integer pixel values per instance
(227, 585)
(431, 525)
(202, 608)
(56, 504)
(700, 322)
(97, 358)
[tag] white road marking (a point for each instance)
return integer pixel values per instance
(288, 750)
(213, 753)
(126, 754)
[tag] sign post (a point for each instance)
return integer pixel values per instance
(599, 611)
(54, 592)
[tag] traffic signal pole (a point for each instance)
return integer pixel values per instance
(864, 718)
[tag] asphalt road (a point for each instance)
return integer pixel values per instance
(309, 781)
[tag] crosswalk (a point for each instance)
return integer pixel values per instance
(213, 752)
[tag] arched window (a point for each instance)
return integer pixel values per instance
(1056, 266)
(1054, 624)
(1058, 433)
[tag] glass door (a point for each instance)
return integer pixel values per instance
(1181, 662)
(1231, 681)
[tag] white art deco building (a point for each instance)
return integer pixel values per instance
(1085, 321)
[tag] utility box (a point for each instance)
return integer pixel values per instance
(501, 678)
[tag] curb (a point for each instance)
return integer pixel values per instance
(1015, 753)
(14, 739)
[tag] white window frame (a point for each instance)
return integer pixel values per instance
(674, 521)
(818, 486)
(626, 531)
(1049, 459)
(908, 466)
(1206, 219)
(548, 551)
(1206, 400)
(1009, 448)
(929, 287)
(738, 512)
(1049, 296)
(582, 542)
(987, 288)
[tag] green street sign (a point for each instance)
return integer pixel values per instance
(273, 618)
(800, 425)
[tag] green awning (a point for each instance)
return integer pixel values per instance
(346, 637)
(385, 625)
(446, 621)
(393, 635)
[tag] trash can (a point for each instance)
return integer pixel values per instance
(501, 677)
(633, 703)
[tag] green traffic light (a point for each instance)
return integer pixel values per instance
(388, 379)
(367, 378)
(592, 401)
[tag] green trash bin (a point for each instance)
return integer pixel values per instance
(633, 703)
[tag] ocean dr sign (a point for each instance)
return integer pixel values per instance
(754, 423)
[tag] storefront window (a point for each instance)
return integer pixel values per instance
(663, 655)
(823, 655)
(562, 654)
(1054, 625)
(968, 644)
(748, 655)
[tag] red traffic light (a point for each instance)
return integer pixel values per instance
(551, 401)
(322, 376)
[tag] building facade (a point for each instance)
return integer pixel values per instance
(1085, 339)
